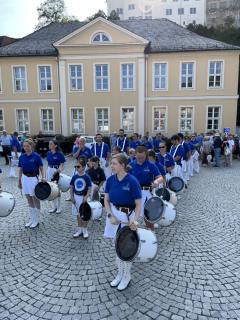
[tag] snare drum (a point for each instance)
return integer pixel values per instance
(140, 245)
(96, 209)
(46, 191)
(168, 216)
(176, 184)
(167, 195)
(7, 203)
(153, 209)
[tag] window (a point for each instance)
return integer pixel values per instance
(22, 120)
(148, 8)
(193, 10)
(119, 10)
(45, 78)
(76, 77)
(102, 119)
(77, 120)
(187, 75)
(160, 76)
(215, 78)
(186, 119)
(101, 37)
(131, 6)
(1, 121)
(159, 119)
(168, 12)
(148, 17)
(101, 77)
(213, 118)
(20, 82)
(47, 120)
(127, 119)
(180, 10)
(127, 76)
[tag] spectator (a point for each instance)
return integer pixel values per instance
(217, 144)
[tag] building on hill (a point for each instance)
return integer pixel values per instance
(148, 75)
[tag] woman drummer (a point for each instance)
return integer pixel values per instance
(148, 176)
(123, 205)
(55, 160)
(80, 190)
(30, 163)
(165, 159)
(152, 157)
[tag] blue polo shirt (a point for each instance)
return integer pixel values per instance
(124, 192)
(179, 153)
(120, 142)
(86, 152)
(166, 161)
(145, 173)
(156, 143)
(81, 184)
(160, 168)
(98, 150)
(191, 145)
(31, 163)
(55, 159)
(15, 143)
(148, 145)
(135, 144)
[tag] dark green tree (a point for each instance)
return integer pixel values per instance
(100, 13)
(113, 16)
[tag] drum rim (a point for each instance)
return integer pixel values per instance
(167, 190)
(172, 178)
(156, 243)
(43, 182)
(14, 203)
(138, 249)
(163, 201)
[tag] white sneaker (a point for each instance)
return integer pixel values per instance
(85, 233)
(68, 199)
(35, 222)
(52, 210)
(27, 225)
(126, 278)
(59, 210)
(78, 233)
(156, 225)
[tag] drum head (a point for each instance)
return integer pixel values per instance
(176, 184)
(126, 244)
(163, 193)
(42, 190)
(56, 176)
(7, 203)
(153, 209)
(85, 211)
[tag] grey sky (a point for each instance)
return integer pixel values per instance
(19, 17)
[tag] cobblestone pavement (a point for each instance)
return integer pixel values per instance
(46, 274)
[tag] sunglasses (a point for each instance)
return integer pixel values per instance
(77, 167)
(161, 147)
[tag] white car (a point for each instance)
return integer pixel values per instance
(89, 140)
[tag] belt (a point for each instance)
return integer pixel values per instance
(146, 188)
(55, 167)
(124, 209)
(28, 174)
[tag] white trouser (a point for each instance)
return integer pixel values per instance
(190, 166)
(196, 166)
(146, 194)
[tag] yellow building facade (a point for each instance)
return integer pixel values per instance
(101, 76)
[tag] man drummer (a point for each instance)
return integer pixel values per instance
(101, 150)
(122, 141)
(148, 176)
(177, 153)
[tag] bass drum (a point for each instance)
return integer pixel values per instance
(85, 211)
(153, 209)
(64, 182)
(168, 216)
(166, 195)
(46, 191)
(140, 245)
(7, 203)
(176, 184)
(97, 209)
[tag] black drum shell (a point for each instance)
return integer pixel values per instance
(163, 193)
(127, 244)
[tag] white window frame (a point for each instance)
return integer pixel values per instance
(3, 120)
(94, 75)
(179, 118)
(166, 118)
(96, 119)
(16, 120)
(220, 117)
(69, 78)
(168, 12)
(13, 78)
(153, 76)
(70, 117)
(39, 80)
(1, 83)
(222, 74)
(41, 120)
(93, 35)
(134, 76)
(193, 78)
(134, 118)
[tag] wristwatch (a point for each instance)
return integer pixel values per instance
(109, 214)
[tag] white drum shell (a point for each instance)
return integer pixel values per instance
(148, 246)
(7, 203)
(54, 192)
(169, 215)
(97, 208)
(64, 182)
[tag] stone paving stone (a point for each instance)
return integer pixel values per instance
(46, 274)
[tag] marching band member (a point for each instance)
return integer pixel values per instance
(185, 158)
(55, 160)
(122, 141)
(80, 190)
(81, 150)
(97, 175)
(152, 157)
(177, 153)
(135, 142)
(100, 149)
(123, 205)
(131, 155)
(166, 159)
(30, 163)
(148, 176)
